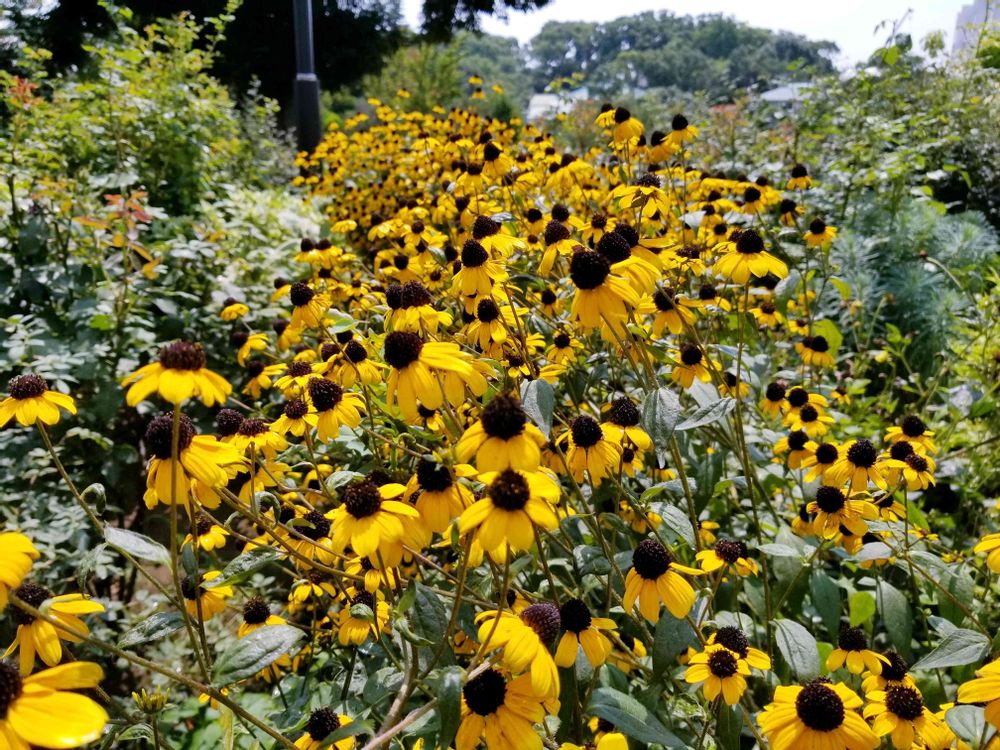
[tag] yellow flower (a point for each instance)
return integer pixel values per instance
(899, 712)
(582, 630)
(727, 553)
(37, 636)
(591, 449)
(858, 465)
(437, 495)
(233, 310)
(39, 711)
(834, 510)
(179, 374)
(525, 641)
(322, 723)
(501, 711)
(690, 365)
(207, 533)
(16, 556)
(601, 296)
(308, 307)
(799, 178)
(745, 256)
(654, 578)
(984, 689)
(30, 400)
(502, 438)
(820, 234)
(370, 520)
(513, 502)
(681, 131)
(355, 629)
(989, 544)
(212, 599)
(819, 714)
(852, 650)
(719, 671)
(913, 430)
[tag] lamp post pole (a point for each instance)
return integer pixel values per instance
(307, 115)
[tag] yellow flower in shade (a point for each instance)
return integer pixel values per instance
(17, 553)
(180, 374)
(812, 420)
(858, 465)
(984, 689)
(322, 723)
(609, 741)
(37, 636)
(654, 578)
(601, 296)
(582, 630)
(202, 464)
(706, 530)
(31, 401)
(622, 425)
(500, 711)
(412, 309)
(735, 640)
(373, 577)
(797, 445)
(720, 672)
(815, 351)
(369, 518)
(690, 365)
(256, 437)
(437, 495)
(745, 256)
(233, 309)
(789, 212)
(489, 233)
(355, 624)
(893, 672)
(525, 640)
(296, 417)
(834, 510)
(819, 714)
(478, 274)
(766, 314)
(820, 234)
(625, 128)
(208, 533)
(773, 403)
(39, 711)
(333, 407)
(590, 449)
(990, 544)
(628, 653)
(727, 553)
(513, 502)
(913, 430)
(822, 460)
(256, 615)
(733, 386)
(899, 712)
(681, 131)
(212, 598)
(418, 370)
(502, 438)
(852, 650)
(308, 307)
(799, 178)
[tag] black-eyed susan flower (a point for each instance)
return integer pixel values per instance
(36, 636)
(681, 131)
(720, 672)
(797, 445)
(834, 509)
(296, 417)
(17, 554)
(820, 462)
(590, 448)
(40, 710)
(985, 688)
(736, 641)
(513, 502)
(207, 533)
(798, 178)
(364, 615)
(308, 307)
(670, 311)
(819, 714)
(525, 640)
(894, 672)
(607, 741)
(31, 401)
(733, 386)
(601, 296)
(899, 712)
(333, 407)
(502, 437)
(502, 712)
(582, 630)
(745, 256)
(564, 348)
(257, 614)
(369, 518)
(789, 212)
(491, 235)
(625, 128)
(202, 464)
(773, 403)
(913, 430)
(479, 273)
(178, 375)
(819, 234)
(730, 554)
(810, 419)
(211, 600)
(416, 365)
(654, 578)
(689, 365)
(767, 315)
(437, 494)
(815, 351)
(622, 424)
(322, 723)
(233, 309)
(858, 465)
(990, 544)
(852, 650)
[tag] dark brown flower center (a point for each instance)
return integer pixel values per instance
(159, 435)
(11, 686)
(402, 349)
(730, 550)
(852, 639)
(227, 422)
(33, 595)
(322, 723)
(817, 226)
(819, 707)
(917, 462)
(574, 615)
(734, 639)
(485, 692)
(484, 226)
(722, 663)
(588, 269)
(296, 409)
(690, 354)
(325, 394)
(901, 450)
(862, 453)
(826, 453)
(544, 619)
(301, 294)
(473, 254)
(362, 499)
(774, 392)
(27, 386)
(623, 413)
(904, 701)
(182, 355)
(433, 477)
(797, 440)
(614, 248)
(830, 499)
(651, 559)
(503, 417)
(509, 490)
(256, 611)
(555, 232)
(586, 431)
(913, 426)
(749, 242)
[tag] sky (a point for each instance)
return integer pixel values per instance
(849, 23)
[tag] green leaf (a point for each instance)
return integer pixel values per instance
(152, 628)
(351, 729)
(136, 545)
(828, 330)
(95, 496)
(862, 607)
(428, 616)
(826, 599)
(255, 652)
(449, 705)
(798, 646)
(631, 717)
(969, 724)
(779, 550)
(245, 565)
(660, 411)
(708, 414)
(676, 521)
(672, 637)
(959, 647)
(728, 727)
(538, 399)
(897, 616)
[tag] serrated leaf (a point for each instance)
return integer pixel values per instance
(708, 414)
(538, 399)
(136, 545)
(152, 628)
(255, 652)
(660, 411)
(631, 717)
(957, 648)
(798, 646)
(449, 705)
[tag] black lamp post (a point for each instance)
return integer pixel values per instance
(307, 116)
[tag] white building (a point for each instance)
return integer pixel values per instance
(542, 106)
